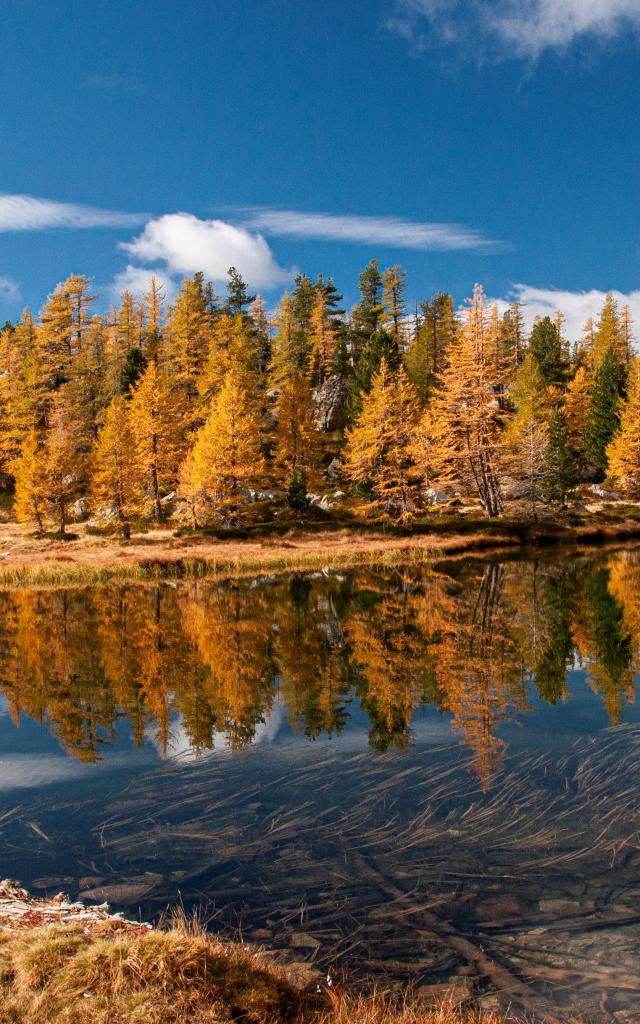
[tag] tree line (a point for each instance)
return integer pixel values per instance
(219, 403)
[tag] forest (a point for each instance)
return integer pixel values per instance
(215, 412)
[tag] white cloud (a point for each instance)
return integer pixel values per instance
(138, 279)
(9, 290)
(186, 245)
(391, 231)
(535, 25)
(28, 213)
(520, 28)
(576, 307)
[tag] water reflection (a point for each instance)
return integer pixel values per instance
(478, 640)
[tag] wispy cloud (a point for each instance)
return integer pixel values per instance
(28, 213)
(9, 290)
(137, 281)
(512, 28)
(185, 244)
(576, 307)
(395, 232)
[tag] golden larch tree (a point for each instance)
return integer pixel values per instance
(624, 451)
(226, 457)
(114, 486)
(528, 433)
(29, 475)
(379, 446)
(297, 442)
(153, 429)
(466, 408)
(63, 462)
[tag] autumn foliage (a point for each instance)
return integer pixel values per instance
(203, 410)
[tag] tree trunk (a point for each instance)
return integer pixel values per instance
(157, 507)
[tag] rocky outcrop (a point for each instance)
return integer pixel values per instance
(19, 910)
(330, 399)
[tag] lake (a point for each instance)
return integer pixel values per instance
(396, 774)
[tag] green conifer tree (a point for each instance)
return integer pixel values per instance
(604, 415)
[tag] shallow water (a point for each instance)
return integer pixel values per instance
(391, 773)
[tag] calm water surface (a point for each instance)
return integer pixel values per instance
(383, 771)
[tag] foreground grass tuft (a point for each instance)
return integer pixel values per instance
(58, 973)
(107, 974)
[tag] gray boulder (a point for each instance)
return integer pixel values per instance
(79, 511)
(329, 400)
(433, 496)
(600, 492)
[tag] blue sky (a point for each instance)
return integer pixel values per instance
(204, 134)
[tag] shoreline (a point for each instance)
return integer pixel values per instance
(86, 560)
(71, 961)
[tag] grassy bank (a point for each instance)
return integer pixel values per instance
(160, 554)
(68, 973)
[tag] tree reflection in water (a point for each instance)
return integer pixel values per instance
(477, 640)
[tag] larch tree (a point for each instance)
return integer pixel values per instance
(608, 337)
(426, 356)
(379, 449)
(63, 320)
(29, 476)
(63, 463)
(188, 343)
(232, 344)
(323, 342)
(466, 417)
(577, 408)
(296, 452)
(393, 285)
(422, 448)
(154, 321)
(512, 340)
(23, 397)
(153, 428)
(226, 458)
(289, 349)
(114, 487)
(262, 331)
(623, 452)
(626, 336)
(528, 433)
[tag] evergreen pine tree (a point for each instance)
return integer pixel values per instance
(134, 366)
(237, 295)
(546, 347)
(559, 474)
(604, 414)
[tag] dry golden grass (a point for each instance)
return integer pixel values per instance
(58, 973)
(62, 975)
